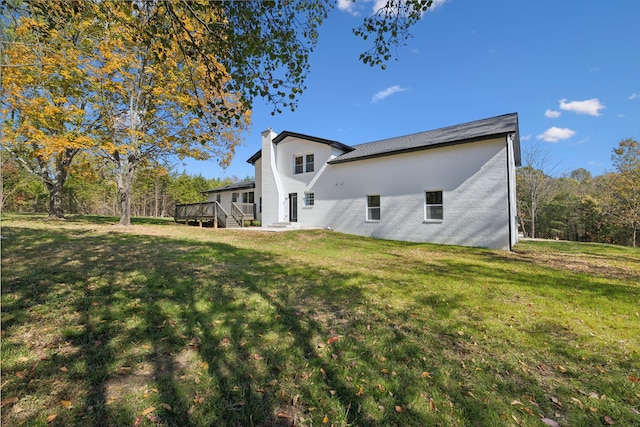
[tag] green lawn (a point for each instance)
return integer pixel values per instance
(166, 324)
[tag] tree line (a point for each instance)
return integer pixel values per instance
(578, 206)
(155, 191)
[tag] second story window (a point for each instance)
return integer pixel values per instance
(298, 166)
(304, 163)
(309, 163)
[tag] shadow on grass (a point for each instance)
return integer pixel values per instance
(148, 330)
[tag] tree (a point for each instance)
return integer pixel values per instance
(44, 97)
(534, 185)
(152, 105)
(624, 195)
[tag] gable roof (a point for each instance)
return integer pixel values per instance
(452, 135)
(285, 134)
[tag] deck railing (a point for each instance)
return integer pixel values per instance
(213, 211)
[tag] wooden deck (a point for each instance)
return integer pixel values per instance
(213, 213)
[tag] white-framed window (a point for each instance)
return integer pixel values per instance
(433, 207)
(234, 197)
(309, 199)
(303, 163)
(309, 159)
(373, 207)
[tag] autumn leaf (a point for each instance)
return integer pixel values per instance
(399, 408)
(332, 340)
(360, 391)
(608, 420)
(550, 422)
(8, 401)
(66, 404)
(50, 418)
(325, 419)
(426, 375)
(166, 406)
(147, 411)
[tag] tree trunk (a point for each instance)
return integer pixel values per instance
(126, 169)
(55, 199)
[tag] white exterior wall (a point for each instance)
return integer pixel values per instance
(300, 183)
(474, 178)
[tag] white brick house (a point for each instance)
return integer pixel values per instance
(454, 185)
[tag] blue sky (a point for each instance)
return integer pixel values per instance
(570, 69)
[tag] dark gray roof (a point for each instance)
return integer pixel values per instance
(458, 134)
(284, 134)
(235, 186)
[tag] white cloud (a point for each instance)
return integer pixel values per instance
(555, 134)
(387, 92)
(634, 96)
(552, 114)
(591, 106)
(347, 6)
(379, 4)
(526, 137)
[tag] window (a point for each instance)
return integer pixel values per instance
(247, 197)
(433, 205)
(309, 163)
(303, 164)
(373, 208)
(234, 197)
(298, 165)
(218, 197)
(309, 199)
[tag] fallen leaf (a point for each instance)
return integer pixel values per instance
(67, 404)
(561, 368)
(166, 406)
(19, 375)
(550, 422)
(51, 418)
(399, 408)
(149, 410)
(527, 410)
(516, 402)
(332, 340)
(577, 402)
(426, 375)
(360, 391)
(592, 409)
(325, 419)
(63, 369)
(284, 415)
(634, 379)
(608, 420)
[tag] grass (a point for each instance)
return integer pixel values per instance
(165, 324)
